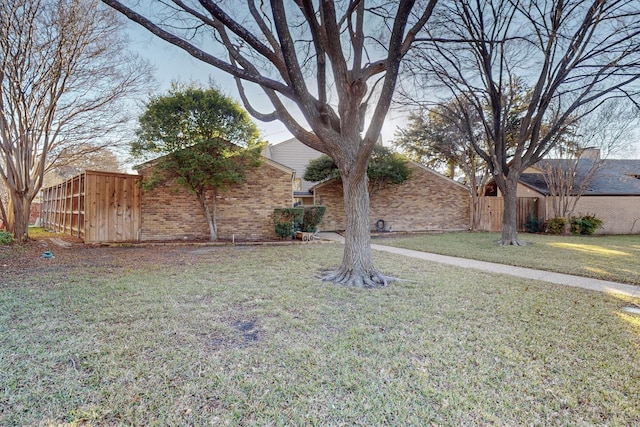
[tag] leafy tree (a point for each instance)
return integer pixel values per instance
(320, 169)
(208, 141)
(64, 74)
(434, 140)
(387, 167)
(322, 67)
(384, 167)
(573, 55)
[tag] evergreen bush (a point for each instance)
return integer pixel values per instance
(533, 224)
(286, 220)
(312, 217)
(5, 238)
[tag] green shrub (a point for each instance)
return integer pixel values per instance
(533, 224)
(284, 229)
(5, 237)
(556, 225)
(286, 220)
(585, 225)
(312, 217)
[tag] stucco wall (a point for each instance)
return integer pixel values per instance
(170, 212)
(428, 201)
(620, 214)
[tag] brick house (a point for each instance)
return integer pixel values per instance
(171, 212)
(427, 201)
(94, 208)
(611, 194)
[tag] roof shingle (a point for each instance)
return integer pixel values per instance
(615, 177)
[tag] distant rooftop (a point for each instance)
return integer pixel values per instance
(615, 177)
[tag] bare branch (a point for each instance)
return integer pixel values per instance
(570, 55)
(197, 53)
(64, 75)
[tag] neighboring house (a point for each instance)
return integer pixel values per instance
(297, 156)
(612, 194)
(109, 207)
(34, 215)
(427, 201)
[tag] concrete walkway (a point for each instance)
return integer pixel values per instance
(527, 273)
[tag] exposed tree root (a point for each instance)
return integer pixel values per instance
(343, 276)
(512, 242)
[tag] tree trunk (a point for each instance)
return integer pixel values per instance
(18, 217)
(210, 214)
(357, 266)
(509, 212)
(476, 212)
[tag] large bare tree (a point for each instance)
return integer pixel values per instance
(322, 66)
(64, 68)
(573, 54)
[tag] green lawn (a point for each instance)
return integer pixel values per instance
(248, 336)
(615, 258)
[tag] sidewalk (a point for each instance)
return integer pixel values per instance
(527, 273)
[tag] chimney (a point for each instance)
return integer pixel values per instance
(590, 153)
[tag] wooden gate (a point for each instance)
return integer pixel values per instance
(491, 212)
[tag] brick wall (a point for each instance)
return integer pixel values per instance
(428, 201)
(620, 214)
(171, 212)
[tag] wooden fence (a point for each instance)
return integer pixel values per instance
(491, 212)
(94, 206)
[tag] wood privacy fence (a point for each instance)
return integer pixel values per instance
(491, 212)
(94, 206)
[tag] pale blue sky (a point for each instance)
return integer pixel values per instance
(171, 63)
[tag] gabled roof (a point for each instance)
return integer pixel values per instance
(412, 163)
(614, 177)
(438, 174)
(263, 159)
